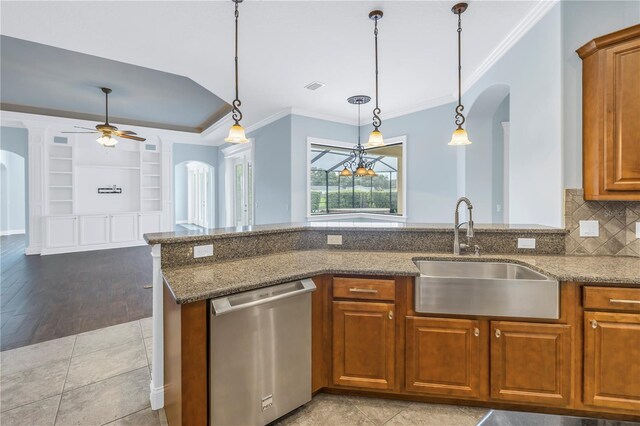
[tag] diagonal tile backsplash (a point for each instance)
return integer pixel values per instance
(617, 225)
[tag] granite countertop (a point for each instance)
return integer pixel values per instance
(198, 282)
(208, 234)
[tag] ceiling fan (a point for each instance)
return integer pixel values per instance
(107, 130)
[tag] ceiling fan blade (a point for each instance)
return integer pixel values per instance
(135, 138)
(85, 128)
(80, 132)
(125, 132)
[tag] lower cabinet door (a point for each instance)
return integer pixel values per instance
(62, 231)
(94, 229)
(443, 356)
(364, 344)
(531, 363)
(148, 223)
(124, 228)
(612, 360)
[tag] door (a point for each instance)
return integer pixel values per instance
(531, 362)
(622, 127)
(148, 223)
(94, 229)
(243, 191)
(364, 344)
(200, 193)
(123, 228)
(62, 231)
(612, 360)
(443, 356)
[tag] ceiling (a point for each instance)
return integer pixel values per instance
(284, 45)
(40, 79)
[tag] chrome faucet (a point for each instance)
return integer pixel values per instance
(456, 226)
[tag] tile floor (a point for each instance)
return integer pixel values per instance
(94, 378)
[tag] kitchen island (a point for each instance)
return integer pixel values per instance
(558, 365)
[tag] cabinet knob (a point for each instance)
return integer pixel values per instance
(594, 324)
(390, 314)
(498, 333)
(476, 331)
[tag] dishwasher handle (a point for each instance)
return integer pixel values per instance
(224, 306)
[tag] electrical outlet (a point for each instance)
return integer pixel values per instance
(526, 243)
(335, 240)
(202, 251)
(589, 228)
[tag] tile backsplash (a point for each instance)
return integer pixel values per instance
(617, 225)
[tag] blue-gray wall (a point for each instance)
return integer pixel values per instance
(188, 152)
(15, 202)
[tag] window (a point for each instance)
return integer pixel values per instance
(331, 193)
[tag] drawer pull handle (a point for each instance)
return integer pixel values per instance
(476, 331)
(363, 290)
(594, 324)
(498, 333)
(390, 315)
(624, 301)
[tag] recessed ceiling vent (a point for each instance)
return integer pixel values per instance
(314, 85)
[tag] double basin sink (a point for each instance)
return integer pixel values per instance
(492, 289)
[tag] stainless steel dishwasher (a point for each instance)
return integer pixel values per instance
(260, 354)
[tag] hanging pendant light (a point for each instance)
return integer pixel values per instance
(236, 133)
(460, 136)
(375, 138)
(357, 163)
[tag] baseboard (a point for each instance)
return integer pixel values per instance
(32, 250)
(156, 397)
(181, 222)
(12, 232)
(76, 249)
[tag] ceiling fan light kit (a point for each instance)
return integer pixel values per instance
(460, 136)
(236, 132)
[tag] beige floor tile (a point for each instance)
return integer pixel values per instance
(147, 327)
(40, 413)
(146, 417)
(476, 412)
(163, 417)
(28, 357)
(32, 385)
(378, 410)
(105, 363)
(432, 415)
(327, 410)
(105, 401)
(92, 341)
(148, 345)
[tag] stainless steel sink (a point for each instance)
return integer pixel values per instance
(493, 289)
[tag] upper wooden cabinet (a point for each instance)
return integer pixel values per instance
(610, 111)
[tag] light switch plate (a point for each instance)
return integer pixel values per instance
(335, 240)
(637, 229)
(526, 243)
(202, 251)
(589, 228)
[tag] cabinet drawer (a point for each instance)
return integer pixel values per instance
(364, 288)
(612, 298)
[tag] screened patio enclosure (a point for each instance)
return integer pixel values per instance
(332, 193)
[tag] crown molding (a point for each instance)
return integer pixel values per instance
(323, 116)
(532, 18)
(431, 103)
(268, 120)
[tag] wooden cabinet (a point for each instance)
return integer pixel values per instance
(611, 107)
(531, 363)
(612, 360)
(364, 344)
(444, 356)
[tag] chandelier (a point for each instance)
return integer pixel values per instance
(357, 163)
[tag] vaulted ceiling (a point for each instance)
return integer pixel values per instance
(283, 46)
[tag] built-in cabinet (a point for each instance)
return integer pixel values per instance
(100, 197)
(611, 107)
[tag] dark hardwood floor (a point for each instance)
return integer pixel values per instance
(46, 297)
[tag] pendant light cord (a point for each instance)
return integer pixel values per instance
(237, 115)
(106, 109)
(376, 111)
(460, 108)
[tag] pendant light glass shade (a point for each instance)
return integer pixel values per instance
(345, 172)
(236, 135)
(371, 172)
(460, 137)
(108, 141)
(375, 139)
(361, 171)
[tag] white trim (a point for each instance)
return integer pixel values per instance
(342, 144)
(12, 232)
(431, 103)
(82, 248)
(506, 133)
(532, 18)
(231, 153)
(323, 116)
(270, 119)
(156, 387)
(375, 216)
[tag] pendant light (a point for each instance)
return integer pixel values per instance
(460, 136)
(236, 133)
(357, 163)
(375, 138)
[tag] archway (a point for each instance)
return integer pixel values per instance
(486, 161)
(194, 195)
(12, 193)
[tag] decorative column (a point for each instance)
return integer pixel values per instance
(36, 167)
(156, 395)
